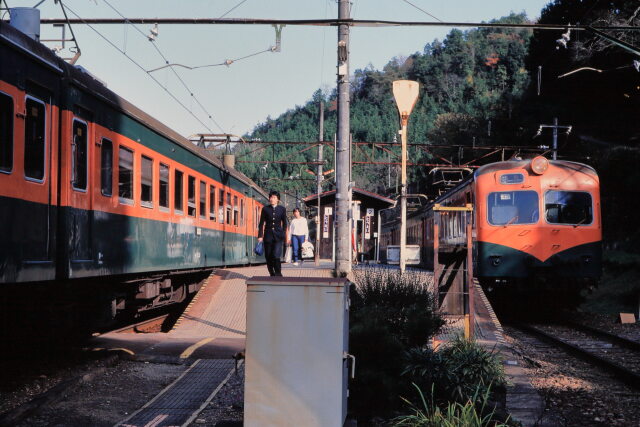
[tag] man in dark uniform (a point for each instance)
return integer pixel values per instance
(273, 232)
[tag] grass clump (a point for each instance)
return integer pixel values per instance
(454, 414)
(457, 372)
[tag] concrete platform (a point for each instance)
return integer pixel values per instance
(213, 329)
(210, 332)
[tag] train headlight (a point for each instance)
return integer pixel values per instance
(539, 165)
(495, 260)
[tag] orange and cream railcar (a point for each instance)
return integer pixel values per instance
(532, 218)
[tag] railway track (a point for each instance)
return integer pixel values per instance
(616, 355)
(146, 326)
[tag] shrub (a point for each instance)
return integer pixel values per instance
(457, 372)
(390, 313)
(403, 301)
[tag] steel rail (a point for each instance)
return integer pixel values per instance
(621, 341)
(135, 327)
(628, 377)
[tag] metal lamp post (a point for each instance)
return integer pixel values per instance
(405, 93)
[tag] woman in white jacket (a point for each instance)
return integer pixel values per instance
(299, 233)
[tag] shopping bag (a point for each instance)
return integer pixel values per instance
(259, 249)
(307, 250)
(288, 254)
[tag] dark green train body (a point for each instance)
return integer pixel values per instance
(94, 190)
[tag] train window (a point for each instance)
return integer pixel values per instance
(163, 185)
(512, 178)
(125, 175)
(177, 192)
(34, 140)
(212, 203)
(79, 155)
(106, 167)
(146, 182)
(513, 207)
(568, 207)
(228, 208)
(203, 199)
(6, 133)
(221, 206)
(256, 218)
(242, 212)
(235, 210)
(191, 196)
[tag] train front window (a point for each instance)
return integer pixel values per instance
(34, 140)
(125, 175)
(513, 207)
(568, 207)
(6, 133)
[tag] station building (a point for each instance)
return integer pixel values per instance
(365, 207)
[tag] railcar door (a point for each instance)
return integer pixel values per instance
(78, 140)
(35, 221)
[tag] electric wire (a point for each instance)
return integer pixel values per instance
(174, 71)
(168, 64)
(226, 62)
(422, 10)
(232, 9)
(141, 67)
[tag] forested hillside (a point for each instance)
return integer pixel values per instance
(467, 80)
(491, 87)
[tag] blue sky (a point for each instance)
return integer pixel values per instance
(245, 93)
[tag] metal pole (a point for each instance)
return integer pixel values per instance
(555, 138)
(319, 182)
(403, 198)
(436, 258)
(343, 214)
(469, 276)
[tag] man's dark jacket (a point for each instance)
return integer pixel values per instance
(274, 221)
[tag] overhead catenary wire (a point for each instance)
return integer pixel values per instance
(226, 62)
(142, 68)
(232, 9)
(422, 10)
(174, 71)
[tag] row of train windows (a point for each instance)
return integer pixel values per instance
(34, 137)
(233, 212)
(34, 168)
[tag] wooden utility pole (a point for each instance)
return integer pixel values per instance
(319, 177)
(342, 165)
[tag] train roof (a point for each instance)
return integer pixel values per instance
(521, 164)
(80, 77)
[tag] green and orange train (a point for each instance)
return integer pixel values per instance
(532, 219)
(92, 189)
